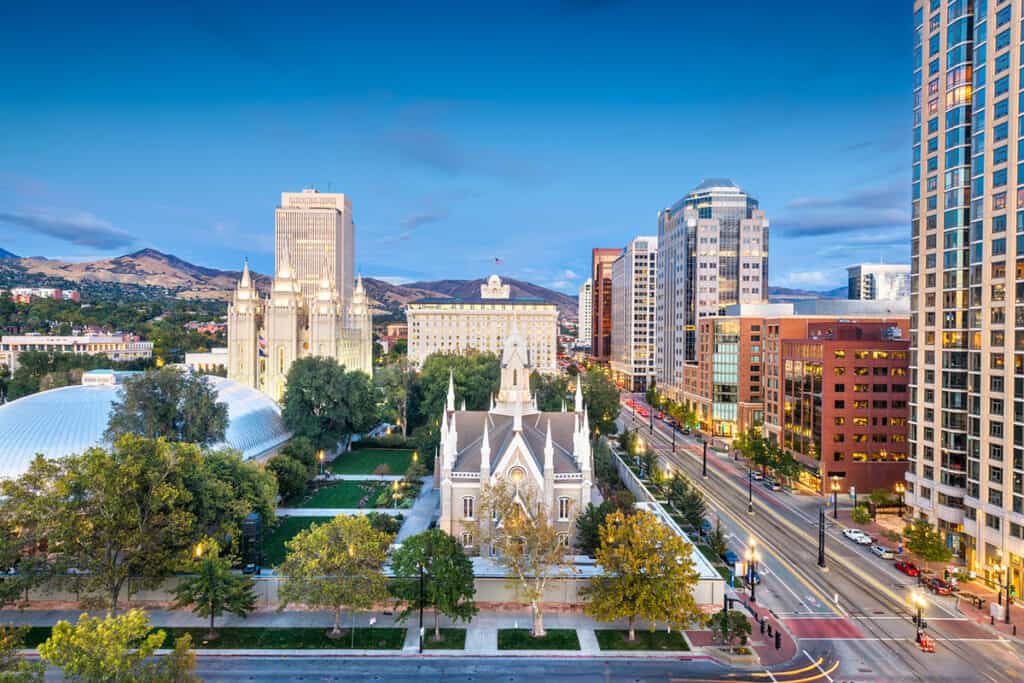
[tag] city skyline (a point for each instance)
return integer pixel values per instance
(143, 144)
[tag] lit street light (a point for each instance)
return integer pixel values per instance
(900, 489)
(752, 557)
(917, 599)
(395, 494)
(835, 498)
(320, 457)
(750, 491)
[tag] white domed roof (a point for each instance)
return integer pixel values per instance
(72, 419)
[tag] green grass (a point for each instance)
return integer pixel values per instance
(645, 640)
(285, 529)
(451, 639)
(272, 638)
(553, 639)
(293, 638)
(366, 460)
(344, 494)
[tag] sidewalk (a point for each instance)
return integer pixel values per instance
(334, 512)
(422, 512)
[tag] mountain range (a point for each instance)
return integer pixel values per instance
(6, 254)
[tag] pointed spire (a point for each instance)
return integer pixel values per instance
(579, 394)
(451, 390)
(359, 283)
(485, 449)
(444, 424)
(246, 279)
(549, 449)
(284, 269)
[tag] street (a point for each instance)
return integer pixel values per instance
(857, 609)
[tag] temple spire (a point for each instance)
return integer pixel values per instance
(246, 279)
(549, 449)
(451, 390)
(517, 417)
(579, 394)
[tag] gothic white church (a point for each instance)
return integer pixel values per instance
(515, 442)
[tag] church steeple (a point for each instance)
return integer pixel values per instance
(450, 402)
(246, 281)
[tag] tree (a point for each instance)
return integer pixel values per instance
(588, 527)
(448, 586)
(525, 539)
(927, 542)
(116, 649)
(783, 462)
(114, 515)
(861, 514)
(602, 399)
(394, 382)
(291, 476)
(729, 626)
(301, 450)
(883, 497)
(13, 667)
(716, 539)
(687, 500)
(754, 447)
(213, 589)
(647, 573)
(335, 565)
(551, 390)
(476, 375)
(25, 515)
(171, 404)
(325, 403)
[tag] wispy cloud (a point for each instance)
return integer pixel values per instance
(418, 220)
(864, 211)
(79, 228)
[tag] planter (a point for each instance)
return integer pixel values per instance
(735, 656)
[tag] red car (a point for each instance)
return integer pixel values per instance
(907, 568)
(938, 586)
(661, 415)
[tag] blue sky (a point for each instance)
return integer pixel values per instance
(462, 132)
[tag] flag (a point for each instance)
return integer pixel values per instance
(498, 261)
(262, 347)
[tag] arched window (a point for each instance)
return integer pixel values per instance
(467, 539)
(564, 505)
(467, 507)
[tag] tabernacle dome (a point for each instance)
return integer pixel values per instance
(69, 420)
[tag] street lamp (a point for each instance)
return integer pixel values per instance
(750, 491)
(320, 457)
(900, 489)
(752, 557)
(704, 467)
(415, 456)
(395, 494)
(429, 555)
(918, 601)
(1006, 609)
(835, 498)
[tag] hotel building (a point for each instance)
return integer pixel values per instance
(633, 278)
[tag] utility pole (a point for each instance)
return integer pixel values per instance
(821, 536)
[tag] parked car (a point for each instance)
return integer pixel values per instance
(938, 586)
(730, 558)
(686, 431)
(908, 568)
(705, 526)
(660, 415)
(857, 536)
(772, 485)
(758, 476)
(883, 552)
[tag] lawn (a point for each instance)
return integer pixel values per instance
(272, 638)
(366, 460)
(451, 639)
(554, 639)
(285, 529)
(645, 640)
(344, 494)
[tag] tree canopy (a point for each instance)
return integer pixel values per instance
(602, 399)
(927, 542)
(448, 587)
(552, 391)
(325, 403)
(648, 573)
(171, 404)
(213, 589)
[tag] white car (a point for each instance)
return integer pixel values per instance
(883, 552)
(857, 536)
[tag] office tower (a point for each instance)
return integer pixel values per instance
(632, 348)
(585, 313)
(601, 302)
(318, 231)
(878, 281)
(713, 253)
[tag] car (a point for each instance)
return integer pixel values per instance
(686, 431)
(660, 415)
(705, 526)
(938, 586)
(730, 558)
(758, 476)
(883, 552)
(857, 536)
(772, 485)
(250, 568)
(907, 568)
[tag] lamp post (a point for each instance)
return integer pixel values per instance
(704, 467)
(674, 429)
(919, 602)
(752, 557)
(900, 489)
(750, 492)
(395, 494)
(821, 536)
(320, 457)
(430, 554)
(1006, 609)
(835, 498)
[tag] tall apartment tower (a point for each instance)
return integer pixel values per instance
(878, 281)
(712, 253)
(601, 302)
(317, 226)
(633, 279)
(585, 313)
(967, 460)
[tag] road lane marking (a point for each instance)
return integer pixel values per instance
(834, 666)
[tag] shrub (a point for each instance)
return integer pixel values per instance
(291, 476)
(861, 514)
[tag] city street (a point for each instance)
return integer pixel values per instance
(857, 609)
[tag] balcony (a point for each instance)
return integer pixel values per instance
(950, 514)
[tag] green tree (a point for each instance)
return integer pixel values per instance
(527, 545)
(927, 542)
(730, 626)
(13, 667)
(325, 403)
(551, 390)
(602, 399)
(883, 497)
(448, 586)
(291, 476)
(588, 527)
(476, 377)
(116, 649)
(785, 465)
(754, 447)
(25, 515)
(301, 450)
(861, 514)
(169, 404)
(648, 573)
(716, 540)
(335, 565)
(687, 500)
(213, 589)
(116, 514)
(394, 382)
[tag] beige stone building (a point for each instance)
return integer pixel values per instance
(266, 335)
(513, 442)
(456, 325)
(119, 347)
(633, 289)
